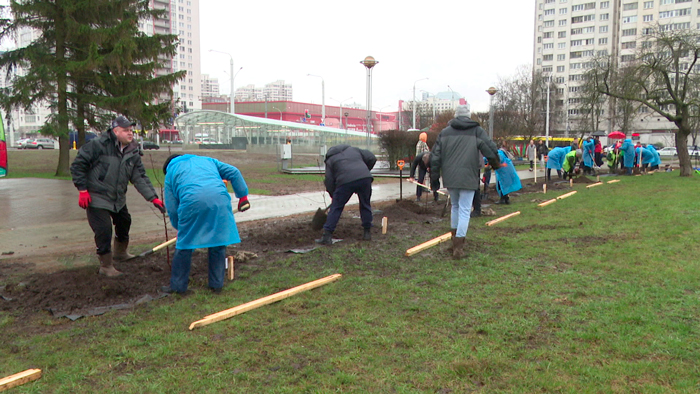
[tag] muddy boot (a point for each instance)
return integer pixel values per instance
(457, 246)
(106, 267)
(120, 253)
(501, 201)
(454, 233)
(507, 199)
(326, 238)
(367, 235)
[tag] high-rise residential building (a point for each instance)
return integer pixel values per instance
(274, 91)
(181, 19)
(569, 34)
(210, 87)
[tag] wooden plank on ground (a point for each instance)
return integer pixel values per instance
(502, 218)
(19, 379)
(594, 185)
(429, 244)
(614, 181)
(237, 310)
(569, 194)
(544, 204)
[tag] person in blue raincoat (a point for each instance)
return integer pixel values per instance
(555, 160)
(654, 165)
(627, 148)
(588, 155)
(199, 207)
(647, 157)
(507, 179)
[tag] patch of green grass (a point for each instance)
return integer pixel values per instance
(594, 293)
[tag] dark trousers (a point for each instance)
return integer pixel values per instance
(549, 174)
(182, 262)
(341, 196)
(421, 178)
(476, 203)
(101, 220)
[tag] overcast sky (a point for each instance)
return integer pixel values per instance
(464, 44)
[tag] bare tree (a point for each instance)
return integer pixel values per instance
(666, 76)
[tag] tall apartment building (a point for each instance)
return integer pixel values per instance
(181, 18)
(570, 33)
(210, 87)
(274, 91)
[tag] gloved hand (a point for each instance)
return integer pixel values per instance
(159, 204)
(84, 199)
(243, 204)
(504, 165)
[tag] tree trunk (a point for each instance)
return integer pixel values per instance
(682, 148)
(61, 90)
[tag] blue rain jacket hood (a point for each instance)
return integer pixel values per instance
(555, 159)
(657, 157)
(647, 156)
(198, 202)
(507, 178)
(628, 148)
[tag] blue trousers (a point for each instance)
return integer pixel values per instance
(182, 262)
(461, 210)
(341, 196)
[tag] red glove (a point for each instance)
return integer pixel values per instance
(243, 204)
(84, 199)
(159, 204)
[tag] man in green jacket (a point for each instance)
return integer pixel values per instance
(101, 173)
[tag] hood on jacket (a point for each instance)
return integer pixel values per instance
(463, 123)
(334, 150)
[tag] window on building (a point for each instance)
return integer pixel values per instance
(563, 11)
(549, 45)
(648, 4)
(629, 19)
(547, 58)
(674, 13)
(648, 18)
(547, 69)
(576, 31)
(561, 34)
(629, 32)
(559, 80)
(561, 45)
(603, 41)
(626, 58)
(630, 6)
(604, 17)
(603, 29)
(574, 66)
(590, 29)
(576, 43)
(548, 23)
(629, 45)
(549, 12)
(604, 52)
(561, 56)
(562, 22)
(589, 41)
(548, 34)
(604, 4)
(560, 69)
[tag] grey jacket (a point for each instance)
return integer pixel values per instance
(105, 172)
(457, 154)
(345, 164)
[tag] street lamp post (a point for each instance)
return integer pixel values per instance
(233, 109)
(546, 121)
(492, 92)
(340, 113)
(369, 62)
(323, 98)
(414, 100)
(277, 109)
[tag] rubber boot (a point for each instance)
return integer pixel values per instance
(454, 234)
(458, 246)
(367, 235)
(506, 198)
(501, 201)
(326, 238)
(120, 251)
(106, 267)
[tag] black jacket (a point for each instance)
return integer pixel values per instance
(457, 154)
(105, 172)
(345, 164)
(418, 162)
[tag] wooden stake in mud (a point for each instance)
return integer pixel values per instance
(229, 267)
(544, 188)
(614, 181)
(594, 185)
(571, 183)
(19, 379)
(502, 218)
(429, 244)
(597, 178)
(563, 196)
(237, 310)
(544, 204)
(385, 223)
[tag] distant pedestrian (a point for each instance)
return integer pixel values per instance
(456, 156)
(531, 153)
(347, 173)
(422, 145)
(542, 150)
(598, 152)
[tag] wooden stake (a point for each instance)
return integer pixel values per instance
(571, 183)
(237, 310)
(563, 196)
(429, 244)
(19, 379)
(544, 188)
(594, 185)
(614, 181)
(544, 204)
(229, 262)
(597, 178)
(502, 218)
(385, 223)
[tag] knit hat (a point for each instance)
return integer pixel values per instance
(423, 137)
(463, 110)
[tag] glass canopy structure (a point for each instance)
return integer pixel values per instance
(237, 129)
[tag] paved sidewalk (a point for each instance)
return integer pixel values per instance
(41, 216)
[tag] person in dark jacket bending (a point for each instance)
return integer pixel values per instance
(422, 163)
(101, 172)
(457, 156)
(347, 173)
